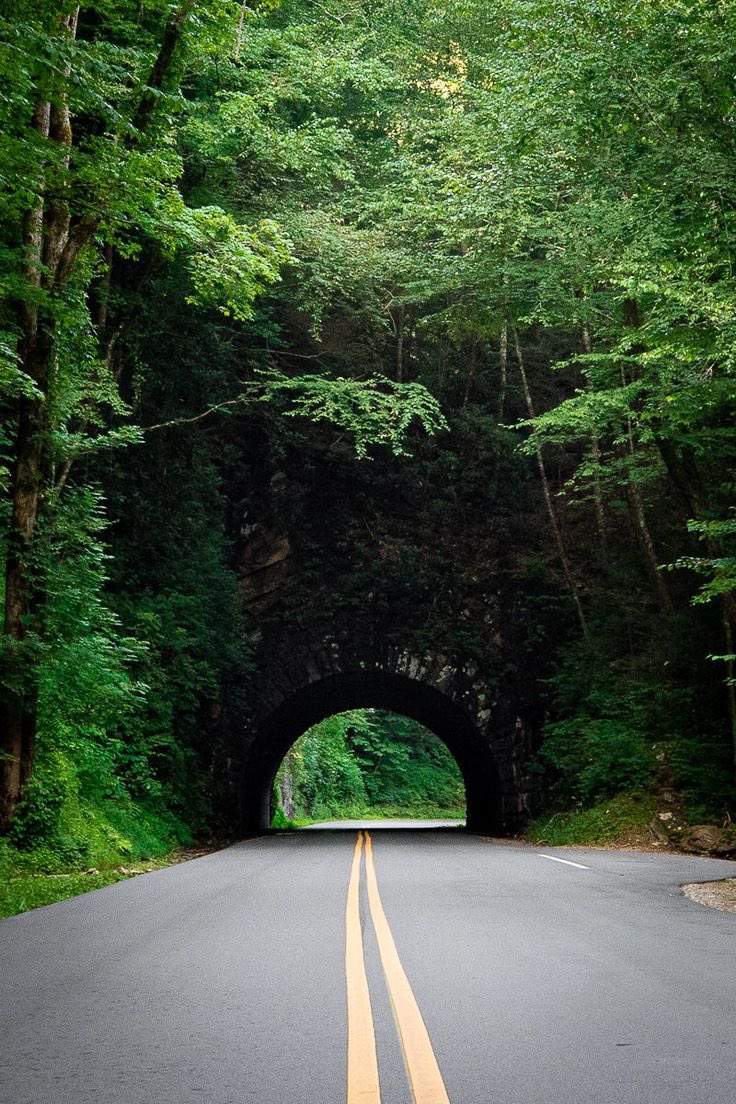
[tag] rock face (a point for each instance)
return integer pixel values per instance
(711, 839)
(357, 598)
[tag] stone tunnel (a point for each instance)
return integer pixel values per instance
(344, 617)
(318, 678)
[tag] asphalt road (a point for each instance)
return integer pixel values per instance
(225, 979)
(320, 825)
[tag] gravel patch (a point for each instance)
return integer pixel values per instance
(717, 895)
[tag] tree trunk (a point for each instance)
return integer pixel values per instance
(18, 702)
(400, 345)
(470, 378)
(683, 472)
(18, 708)
(641, 526)
(727, 620)
(503, 361)
(552, 514)
(239, 32)
(600, 516)
(632, 319)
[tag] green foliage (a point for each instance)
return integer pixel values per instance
(96, 793)
(18, 893)
(179, 594)
(49, 873)
(617, 818)
(229, 264)
(718, 535)
(623, 727)
(85, 684)
(375, 411)
(69, 838)
(321, 773)
(598, 757)
(38, 819)
(610, 718)
(702, 767)
(279, 820)
(367, 762)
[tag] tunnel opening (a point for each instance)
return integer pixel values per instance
(368, 765)
(371, 689)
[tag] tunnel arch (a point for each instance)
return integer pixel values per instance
(372, 689)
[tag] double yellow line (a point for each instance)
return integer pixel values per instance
(422, 1069)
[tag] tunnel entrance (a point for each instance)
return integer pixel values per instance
(381, 690)
(368, 764)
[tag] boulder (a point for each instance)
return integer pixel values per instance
(711, 839)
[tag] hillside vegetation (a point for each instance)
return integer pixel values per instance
(368, 763)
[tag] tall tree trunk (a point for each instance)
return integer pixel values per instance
(683, 471)
(239, 32)
(632, 319)
(641, 528)
(600, 515)
(470, 378)
(18, 710)
(727, 621)
(551, 512)
(18, 701)
(503, 362)
(639, 520)
(400, 344)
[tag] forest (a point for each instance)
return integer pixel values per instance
(472, 262)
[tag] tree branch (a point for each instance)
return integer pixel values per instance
(197, 417)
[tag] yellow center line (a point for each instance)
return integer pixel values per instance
(363, 1086)
(424, 1074)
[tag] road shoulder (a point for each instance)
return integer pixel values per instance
(717, 895)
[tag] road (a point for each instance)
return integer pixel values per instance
(415, 824)
(248, 975)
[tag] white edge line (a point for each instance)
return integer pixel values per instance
(567, 862)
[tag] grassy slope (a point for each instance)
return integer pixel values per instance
(20, 892)
(622, 819)
(95, 845)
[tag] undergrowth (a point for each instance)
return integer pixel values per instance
(614, 819)
(21, 892)
(83, 845)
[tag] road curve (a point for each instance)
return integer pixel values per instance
(540, 976)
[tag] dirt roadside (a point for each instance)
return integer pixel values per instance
(717, 895)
